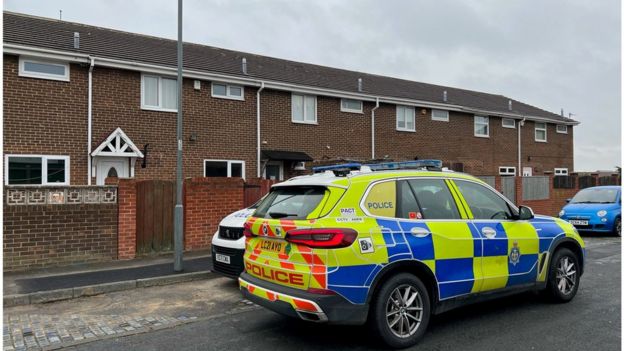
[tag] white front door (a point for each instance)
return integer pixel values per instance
(111, 167)
(527, 171)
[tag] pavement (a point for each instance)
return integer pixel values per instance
(89, 279)
(210, 314)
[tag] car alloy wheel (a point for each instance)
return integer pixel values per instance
(404, 310)
(566, 275)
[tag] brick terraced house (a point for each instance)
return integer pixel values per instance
(82, 103)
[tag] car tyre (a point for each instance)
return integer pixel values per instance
(400, 311)
(563, 276)
(617, 227)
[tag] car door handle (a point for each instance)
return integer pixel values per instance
(488, 232)
(420, 232)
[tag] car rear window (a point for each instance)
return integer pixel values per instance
(290, 202)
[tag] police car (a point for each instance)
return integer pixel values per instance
(228, 243)
(393, 247)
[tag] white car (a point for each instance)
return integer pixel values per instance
(228, 243)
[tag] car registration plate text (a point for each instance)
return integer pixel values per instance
(222, 258)
(578, 222)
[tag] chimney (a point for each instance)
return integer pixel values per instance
(509, 103)
(76, 40)
(244, 66)
(445, 96)
(562, 112)
(359, 84)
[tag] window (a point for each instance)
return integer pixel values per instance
(224, 168)
(349, 105)
(274, 170)
(159, 93)
(483, 202)
(440, 115)
(507, 171)
(226, 91)
(540, 132)
(43, 69)
(406, 118)
(407, 206)
(292, 202)
(434, 198)
(304, 109)
(509, 123)
(561, 171)
(36, 170)
(482, 126)
(562, 129)
(381, 199)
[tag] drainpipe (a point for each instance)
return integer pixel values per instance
(89, 117)
(258, 129)
(520, 146)
(373, 128)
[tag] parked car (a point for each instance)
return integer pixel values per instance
(596, 209)
(228, 243)
(393, 247)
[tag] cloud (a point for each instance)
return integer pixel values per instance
(552, 54)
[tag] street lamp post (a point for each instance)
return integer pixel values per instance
(178, 223)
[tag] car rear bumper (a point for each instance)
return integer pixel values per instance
(300, 304)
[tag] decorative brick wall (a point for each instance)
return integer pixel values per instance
(206, 202)
(46, 227)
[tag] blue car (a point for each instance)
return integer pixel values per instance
(596, 209)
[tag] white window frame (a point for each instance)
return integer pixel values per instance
(507, 171)
(345, 109)
(44, 168)
(24, 73)
(305, 110)
(487, 123)
(441, 119)
(159, 107)
(564, 131)
(229, 166)
(228, 94)
(513, 123)
(275, 163)
(545, 129)
(561, 171)
(405, 129)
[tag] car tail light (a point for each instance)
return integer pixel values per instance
(247, 230)
(322, 237)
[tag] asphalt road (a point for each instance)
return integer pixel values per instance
(524, 322)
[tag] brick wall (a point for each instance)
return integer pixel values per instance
(126, 246)
(50, 117)
(37, 236)
(206, 202)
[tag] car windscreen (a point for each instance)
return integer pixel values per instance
(292, 202)
(595, 196)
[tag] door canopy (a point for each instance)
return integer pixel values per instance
(117, 145)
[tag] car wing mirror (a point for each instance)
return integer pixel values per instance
(525, 213)
(568, 201)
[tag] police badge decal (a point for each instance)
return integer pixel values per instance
(514, 254)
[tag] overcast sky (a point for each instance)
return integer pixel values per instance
(549, 53)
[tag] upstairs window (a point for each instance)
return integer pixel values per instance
(159, 93)
(509, 123)
(349, 105)
(405, 118)
(304, 108)
(540, 132)
(440, 115)
(224, 168)
(37, 170)
(43, 69)
(481, 126)
(562, 129)
(227, 91)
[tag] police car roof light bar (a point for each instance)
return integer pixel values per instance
(340, 169)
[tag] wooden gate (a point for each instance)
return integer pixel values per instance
(508, 188)
(154, 216)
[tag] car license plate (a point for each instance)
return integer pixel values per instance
(222, 258)
(578, 222)
(273, 245)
